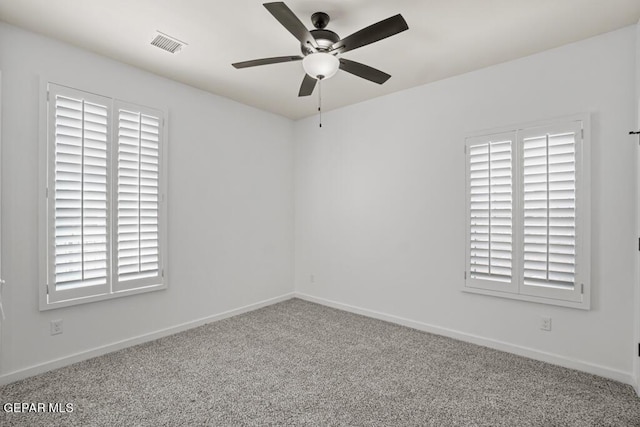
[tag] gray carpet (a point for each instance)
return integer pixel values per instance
(298, 363)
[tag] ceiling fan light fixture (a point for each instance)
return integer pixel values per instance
(320, 47)
(320, 65)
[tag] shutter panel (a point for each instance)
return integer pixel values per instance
(549, 208)
(138, 198)
(78, 195)
(490, 187)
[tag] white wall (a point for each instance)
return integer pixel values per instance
(230, 205)
(380, 203)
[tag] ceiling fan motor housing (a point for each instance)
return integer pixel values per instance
(325, 39)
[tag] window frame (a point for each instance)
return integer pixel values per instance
(48, 299)
(580, 296)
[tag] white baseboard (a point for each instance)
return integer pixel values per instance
(129, 342)
(530, 353)
(555, 359)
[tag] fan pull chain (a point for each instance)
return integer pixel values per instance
(320, 101)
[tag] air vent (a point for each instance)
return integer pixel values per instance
(168, 43)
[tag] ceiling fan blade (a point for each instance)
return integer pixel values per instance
(290, 21)
(373, 33)
(363, 71)
(266, 61)
(307, 86)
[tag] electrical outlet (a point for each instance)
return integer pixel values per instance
(545, 323)
(56, 327)
(312, 278)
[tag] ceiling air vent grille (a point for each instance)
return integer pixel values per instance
(168, 43)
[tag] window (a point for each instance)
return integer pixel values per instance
(105, 210)
(528, 213)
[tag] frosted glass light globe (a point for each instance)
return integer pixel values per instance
(320, 65)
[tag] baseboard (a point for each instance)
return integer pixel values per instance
(530, 353)
(129, 342)
(475, 339)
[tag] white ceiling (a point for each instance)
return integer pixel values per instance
(445, 38)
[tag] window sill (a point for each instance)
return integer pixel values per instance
(45, 305)
(582, 305)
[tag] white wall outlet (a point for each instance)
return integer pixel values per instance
(312, 278)
(545, 323)
(56, 327)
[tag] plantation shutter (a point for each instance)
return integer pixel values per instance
(528, 213)
(138, 198)
(549, 186)
(490, 209)
(78, 194)
(104, 206)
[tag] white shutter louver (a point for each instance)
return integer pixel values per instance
(549, 208)
(79, 206)
(138, 197)
(490, 183)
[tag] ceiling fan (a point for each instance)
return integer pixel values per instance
(321, 47)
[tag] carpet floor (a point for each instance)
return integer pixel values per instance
(297, 363)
